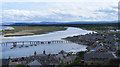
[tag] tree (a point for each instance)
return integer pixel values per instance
(9, 58)
(44, 52)
(118, 52)
(35, 53)
(81, 54)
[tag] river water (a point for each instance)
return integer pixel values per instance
(4, 27)
(49, 48)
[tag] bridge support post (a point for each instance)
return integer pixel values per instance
(23, 43)
(6, 44)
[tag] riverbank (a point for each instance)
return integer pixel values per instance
(109, 39)
(30, 30)
(5, 39)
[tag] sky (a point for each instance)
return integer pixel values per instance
(59, 10)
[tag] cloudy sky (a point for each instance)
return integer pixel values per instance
(59, 11)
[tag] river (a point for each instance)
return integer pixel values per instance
(49, 48)
(5, 27)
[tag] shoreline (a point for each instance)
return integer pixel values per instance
(30, 30)
(91, 38)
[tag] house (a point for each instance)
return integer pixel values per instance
(34, 63)
(60, 56)
(49, 60)
(70, 59)
(97, 58)
(62, 52)
(4, 62)
(44, 59)
(112, 63)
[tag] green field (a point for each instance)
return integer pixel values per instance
(36, 30)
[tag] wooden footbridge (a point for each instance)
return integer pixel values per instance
(15, 43)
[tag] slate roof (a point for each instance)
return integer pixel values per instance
(5, 62)
(60, 56)
(71, 58)
(89, 56)
(35, 62)
(62, 52)
(44, 60)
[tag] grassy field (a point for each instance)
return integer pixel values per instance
(100, 29)
(30, 30)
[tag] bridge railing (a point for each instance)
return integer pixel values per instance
(33, 42)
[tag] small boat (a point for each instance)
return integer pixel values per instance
(12, 47)
(35, 44)
(26, 46)
(31, 45)
(20, 47)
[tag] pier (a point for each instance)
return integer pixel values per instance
(15, 43)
